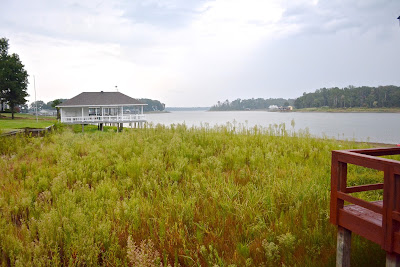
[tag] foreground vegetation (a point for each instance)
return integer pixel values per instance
(219, 196)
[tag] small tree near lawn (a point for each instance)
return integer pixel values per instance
(13, 78)
(56, 103)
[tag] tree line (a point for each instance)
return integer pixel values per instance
(152, 105)
(41, 105)
(351, 97)
(251, 104)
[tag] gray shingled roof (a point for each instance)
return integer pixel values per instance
(100, 99)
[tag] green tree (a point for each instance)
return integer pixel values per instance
(152, 105)
(351, 96)
(39, 104)
(56, 103)
(13, 78)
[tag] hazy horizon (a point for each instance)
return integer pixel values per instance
(202, 52)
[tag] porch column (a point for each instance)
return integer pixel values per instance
(61, 115)
(82, 118)
(142, 110)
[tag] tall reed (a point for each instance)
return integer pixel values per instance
(201, 196)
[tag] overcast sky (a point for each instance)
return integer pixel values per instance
(194, 53)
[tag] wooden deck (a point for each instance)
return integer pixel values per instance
(362, 221)
(125, 118)
(378, 221)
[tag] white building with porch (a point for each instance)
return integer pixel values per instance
(102, 107)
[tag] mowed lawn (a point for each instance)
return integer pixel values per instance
(21, 121)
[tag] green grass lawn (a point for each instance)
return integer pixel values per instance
(21, 121)
(26, 116)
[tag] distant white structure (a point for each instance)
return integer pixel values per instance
(3, 105)
(273, 107)
(47, 112)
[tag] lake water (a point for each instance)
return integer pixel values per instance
(371, 127)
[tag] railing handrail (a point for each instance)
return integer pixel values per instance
(359, 202)
(95, 118)
(368, 161)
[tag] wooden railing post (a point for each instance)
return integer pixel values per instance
(343, 247)
(397, 192)
(391, 201)
(388, 208)
(334, 189)
(392, 260)
(338, 183)
(342, 177)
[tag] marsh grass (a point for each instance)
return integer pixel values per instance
(77, 128)
(200, 196)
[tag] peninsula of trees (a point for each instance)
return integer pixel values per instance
(351, 97)
(152, 105)
(364, 97)
(251, 104)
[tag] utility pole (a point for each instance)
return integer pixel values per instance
(34, 87)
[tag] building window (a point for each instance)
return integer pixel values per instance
(110, 111)
(94, 111)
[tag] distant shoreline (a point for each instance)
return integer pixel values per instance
(156, 112)
(327, 110)
(171, 109)
(349, 110)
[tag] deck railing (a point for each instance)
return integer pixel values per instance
(98, 119)
(387, 234)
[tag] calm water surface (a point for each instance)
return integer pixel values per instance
(372, 127)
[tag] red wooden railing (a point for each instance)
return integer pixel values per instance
(384, 227)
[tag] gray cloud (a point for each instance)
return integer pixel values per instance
(207, 55)
(164, 14)
(328, 17)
